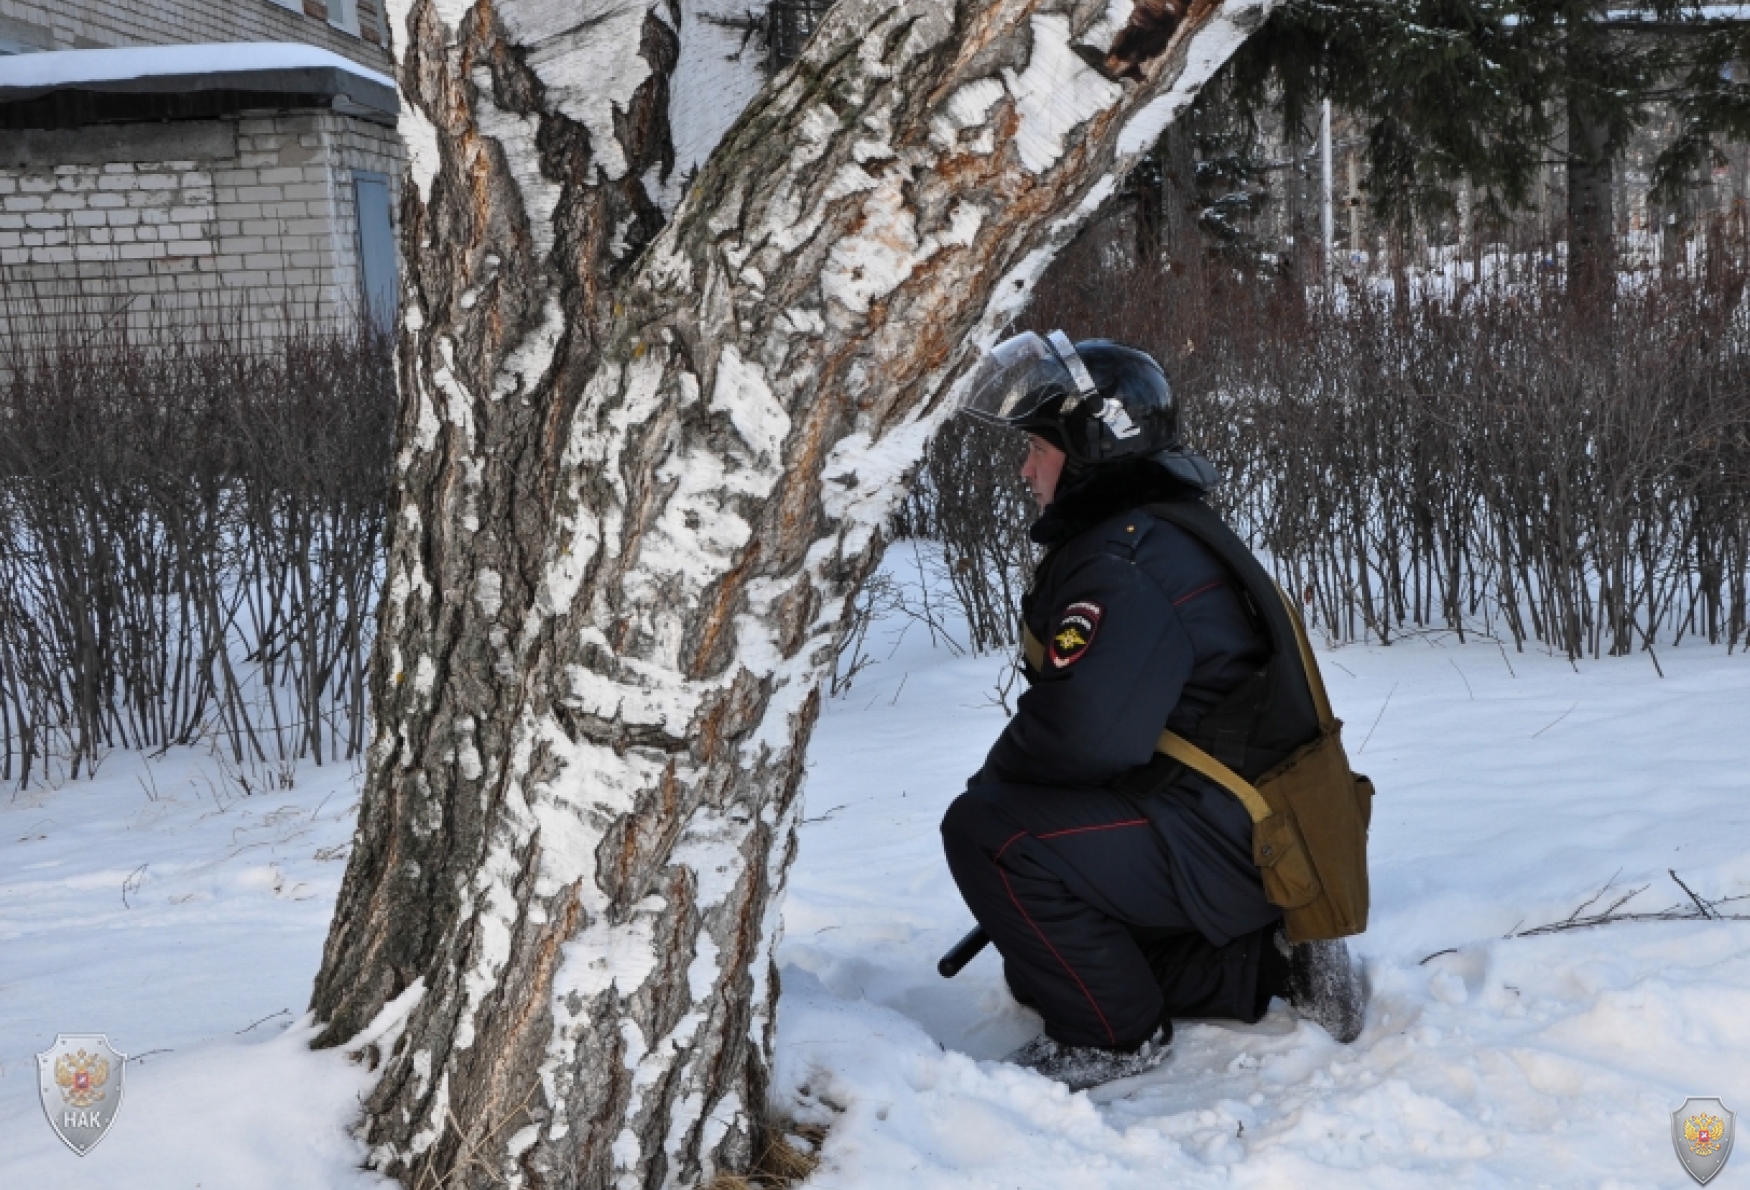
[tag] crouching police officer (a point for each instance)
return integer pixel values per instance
(1122, 885)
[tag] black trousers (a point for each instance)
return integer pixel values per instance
(1076, 891)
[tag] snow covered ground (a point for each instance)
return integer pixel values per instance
(158, 905)
(1511, 788)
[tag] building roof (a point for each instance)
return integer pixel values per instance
(268, 69)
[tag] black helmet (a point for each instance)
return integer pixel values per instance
(1096, 400)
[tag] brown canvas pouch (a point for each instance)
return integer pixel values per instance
(1310, 816)
(1325, 809)
(1280, 853)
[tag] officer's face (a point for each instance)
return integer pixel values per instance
(1041, 469)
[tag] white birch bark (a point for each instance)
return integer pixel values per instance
(641, 475)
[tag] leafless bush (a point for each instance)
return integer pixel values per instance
(1503, 460)
(1500, 458)
(877, 597)
(190, 534)
(969, 497)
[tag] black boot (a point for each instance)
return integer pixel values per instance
(1321, 982)
(1079, 1067)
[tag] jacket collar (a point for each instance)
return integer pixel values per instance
(1102, 492)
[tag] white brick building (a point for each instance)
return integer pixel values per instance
(196, 181)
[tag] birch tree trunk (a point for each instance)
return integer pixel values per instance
(642, 470)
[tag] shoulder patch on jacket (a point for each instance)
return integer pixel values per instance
(1074, 632)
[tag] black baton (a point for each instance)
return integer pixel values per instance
(963, 953)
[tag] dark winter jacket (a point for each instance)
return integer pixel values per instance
(1143, 628)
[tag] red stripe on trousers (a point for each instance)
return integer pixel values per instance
(1077, 830)
(1072, 971)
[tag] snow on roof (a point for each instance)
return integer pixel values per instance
(243, 66)
(72, 68)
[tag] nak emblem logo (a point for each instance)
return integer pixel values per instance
(80, 1081)
(1702, 1131)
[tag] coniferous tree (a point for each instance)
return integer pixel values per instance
(1487, 92)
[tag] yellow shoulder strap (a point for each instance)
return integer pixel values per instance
(1032, 650)
(1314, 680)
(1196, 759)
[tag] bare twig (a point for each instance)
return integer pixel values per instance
(1505, 661)
(1593, 899)
(132, 883)
(1554, 721)
(1004, 685)
(1377, 718)
(1700, 906)
(1698, 909)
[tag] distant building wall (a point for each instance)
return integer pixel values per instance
(1285, 215)
(185, 222)
(352, 28)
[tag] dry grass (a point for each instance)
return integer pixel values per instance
(781, 1163)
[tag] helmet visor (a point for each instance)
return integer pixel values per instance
(1014, 379)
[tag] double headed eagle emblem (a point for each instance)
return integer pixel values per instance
(1702, 1133)
(81, 1077)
